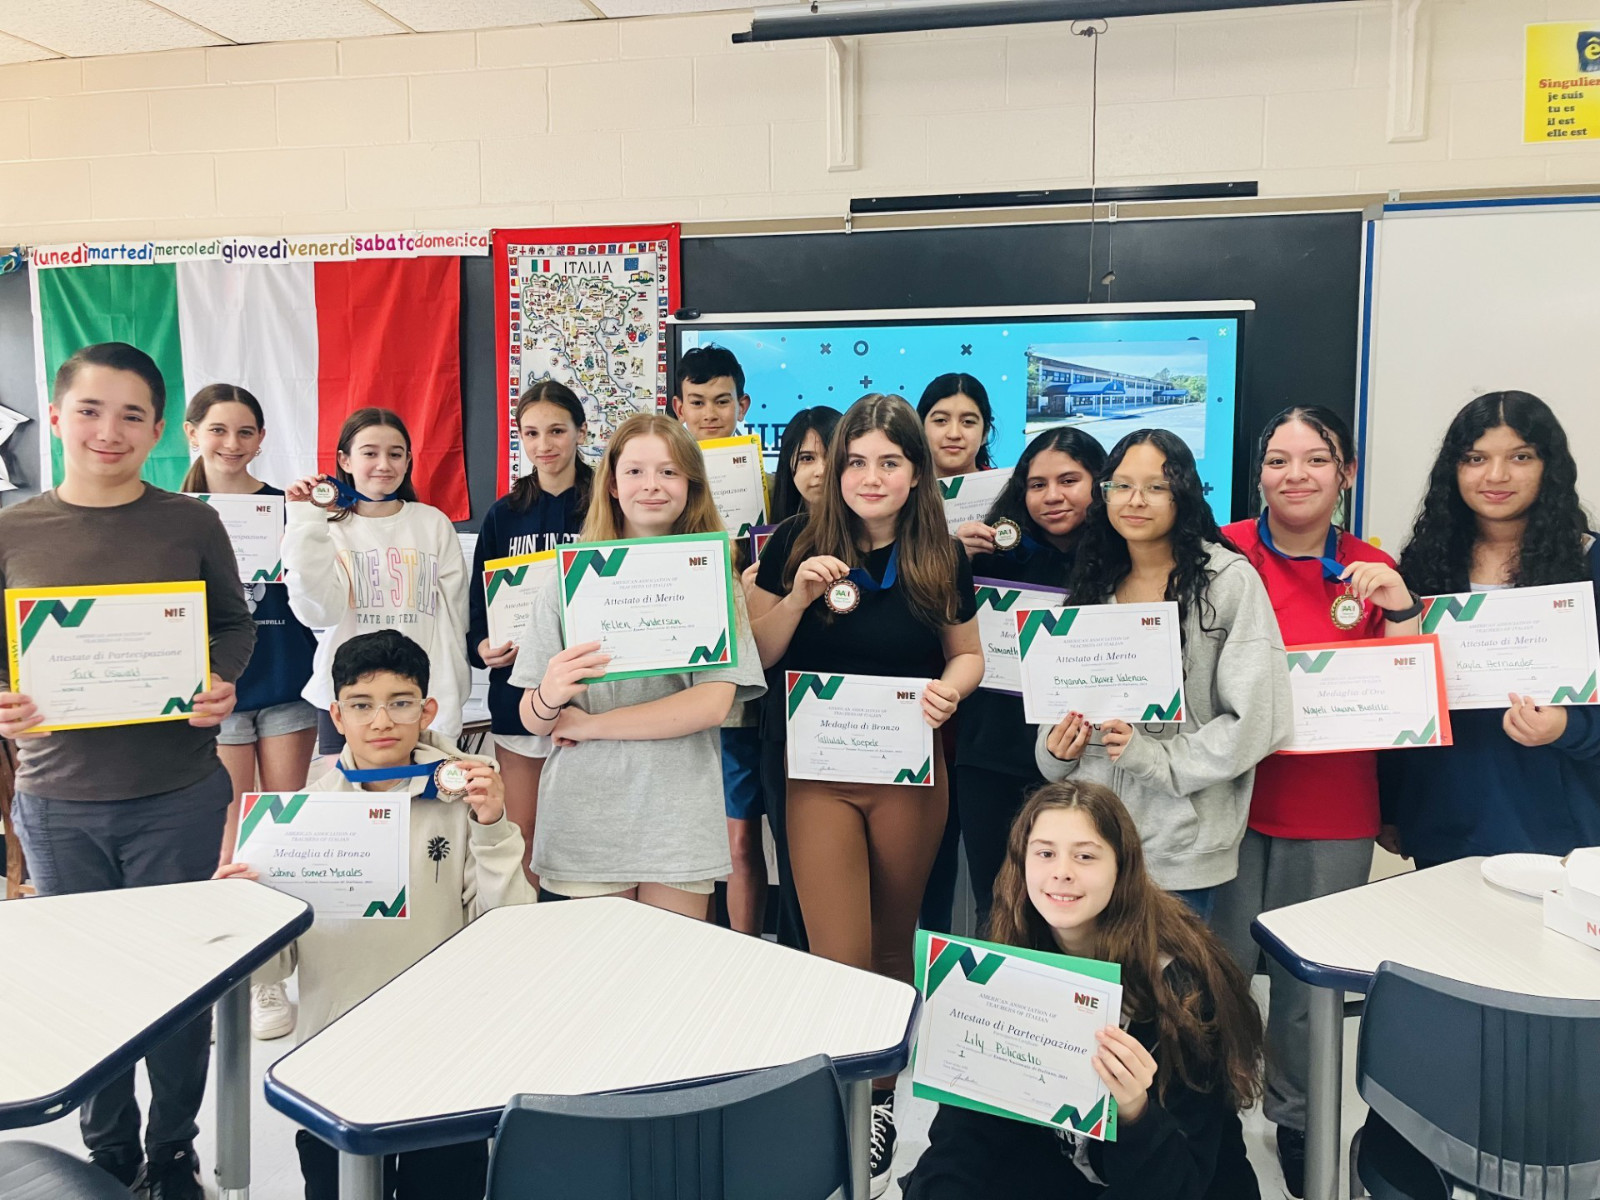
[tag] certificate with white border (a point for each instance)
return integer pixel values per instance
(657, 606)
(511, 586)
(858, 729)
(997, 629)
(1011, 1032)
(347, 854)
(969, 497)
(738, 484)
(1534, 641)
(1372, 694)
(114, 654)
(1121, 662)
(255, 527)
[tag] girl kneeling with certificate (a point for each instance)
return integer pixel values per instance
(868, 583)
(1074, 882)
(630, 800)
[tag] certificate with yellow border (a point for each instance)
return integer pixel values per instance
(511, 588)
(115, 654)
(738, 484)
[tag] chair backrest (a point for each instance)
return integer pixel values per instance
(1500, 1090)
(777, 1134)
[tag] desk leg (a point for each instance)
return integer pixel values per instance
(360, 1176)
(858, 1124)
(233, 1093)
(1324, 1095)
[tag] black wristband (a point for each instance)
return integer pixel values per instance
(1396, 615)
(539, 699)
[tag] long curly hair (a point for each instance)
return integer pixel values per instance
(1208, 1029)
(1438, 558)
(1103, 561)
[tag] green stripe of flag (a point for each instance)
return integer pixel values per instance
(79, 306)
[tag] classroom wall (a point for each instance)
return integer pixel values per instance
(664, 118)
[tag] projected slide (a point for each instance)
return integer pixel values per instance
(1106, 376)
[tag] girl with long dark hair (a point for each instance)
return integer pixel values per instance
(797, 484)
(1501, 510)
(959, 421)
(1150, 536)
(1187, 1061)
(862, 852)
(543, 510)
(1047, 498)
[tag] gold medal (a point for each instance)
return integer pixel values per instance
(843, 597)
(1347, 611)
(1007, 534)
(450, 779)
(325, 493)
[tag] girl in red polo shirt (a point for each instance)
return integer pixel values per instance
(1313, 817)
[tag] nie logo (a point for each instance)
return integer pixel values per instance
(1149, 620)
(697, 560)
(175, 614)
(905, 695)
(1086, 1001)
(379, 814)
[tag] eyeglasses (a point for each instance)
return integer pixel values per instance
(364, 712)
(1121, 493)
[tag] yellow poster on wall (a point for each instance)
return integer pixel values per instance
(1562, 89)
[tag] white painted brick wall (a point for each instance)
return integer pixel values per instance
(664, 118)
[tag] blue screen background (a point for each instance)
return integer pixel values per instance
(789, 368)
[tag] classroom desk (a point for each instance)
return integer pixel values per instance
(576, 998)
(1446, 920)
(94, 980)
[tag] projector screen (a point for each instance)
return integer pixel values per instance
(1106, 369)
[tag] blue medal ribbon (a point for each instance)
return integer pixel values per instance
(1023, 550)
(390, 774)
(348, 496)
(1332, 568)
(863, 579)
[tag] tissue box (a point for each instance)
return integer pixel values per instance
(1575, 909)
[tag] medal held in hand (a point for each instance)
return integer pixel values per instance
(325, 493)
(842, 597)
(1007, 534)
(450, 779)
(1347, 611)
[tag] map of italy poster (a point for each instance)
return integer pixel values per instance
(588, 308)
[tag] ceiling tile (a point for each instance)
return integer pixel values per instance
(427, 16)
(84, 27)
(15, 50)
(286, 20)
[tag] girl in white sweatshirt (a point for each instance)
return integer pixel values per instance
(376, 558)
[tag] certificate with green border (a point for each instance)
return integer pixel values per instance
(658, 606)
(1011, 1032)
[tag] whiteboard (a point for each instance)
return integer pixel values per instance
(1465, 298)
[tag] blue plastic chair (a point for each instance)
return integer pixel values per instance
(777, 1134)
(1493, 1090)
(29, 1171)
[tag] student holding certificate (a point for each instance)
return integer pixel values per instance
(126, 805)
(1501, 511)
(797, 485)
(1150, 537)
(543, 510)
(869, 582)
(1045, 503)
(630, 801)
(1313, 817)
(1187, 1059)
(271, 733)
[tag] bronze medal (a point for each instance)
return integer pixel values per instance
(450, 779)
(325, 493)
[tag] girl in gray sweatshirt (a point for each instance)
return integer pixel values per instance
(1149, 537)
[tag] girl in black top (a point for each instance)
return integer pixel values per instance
(861, 852)
(543, 510)
(1047, 498)
(1188, 1059)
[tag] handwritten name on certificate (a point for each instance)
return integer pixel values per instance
(347, 854)
(1534, 641)
(1107, 661)
(997, 599)
(1011, 1032)
(255, 527)
(1373, 694)
(738, 486)
(117, 654)
(858, 729)
(969, 497)
(658, 606)
(510, 588)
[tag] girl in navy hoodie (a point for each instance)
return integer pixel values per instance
(1501, 511)
(543, 510)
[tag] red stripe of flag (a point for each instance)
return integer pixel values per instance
(388, 333)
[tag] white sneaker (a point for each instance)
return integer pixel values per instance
(270, 1013)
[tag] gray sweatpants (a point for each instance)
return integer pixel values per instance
(96, 846)
(1273, 873)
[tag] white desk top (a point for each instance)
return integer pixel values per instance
(1447, 920)
(85, 975)
(580, 997)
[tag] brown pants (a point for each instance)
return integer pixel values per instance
(861, 854)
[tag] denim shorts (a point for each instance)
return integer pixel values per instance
(247, 728)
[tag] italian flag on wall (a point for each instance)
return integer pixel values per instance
(312, 340)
